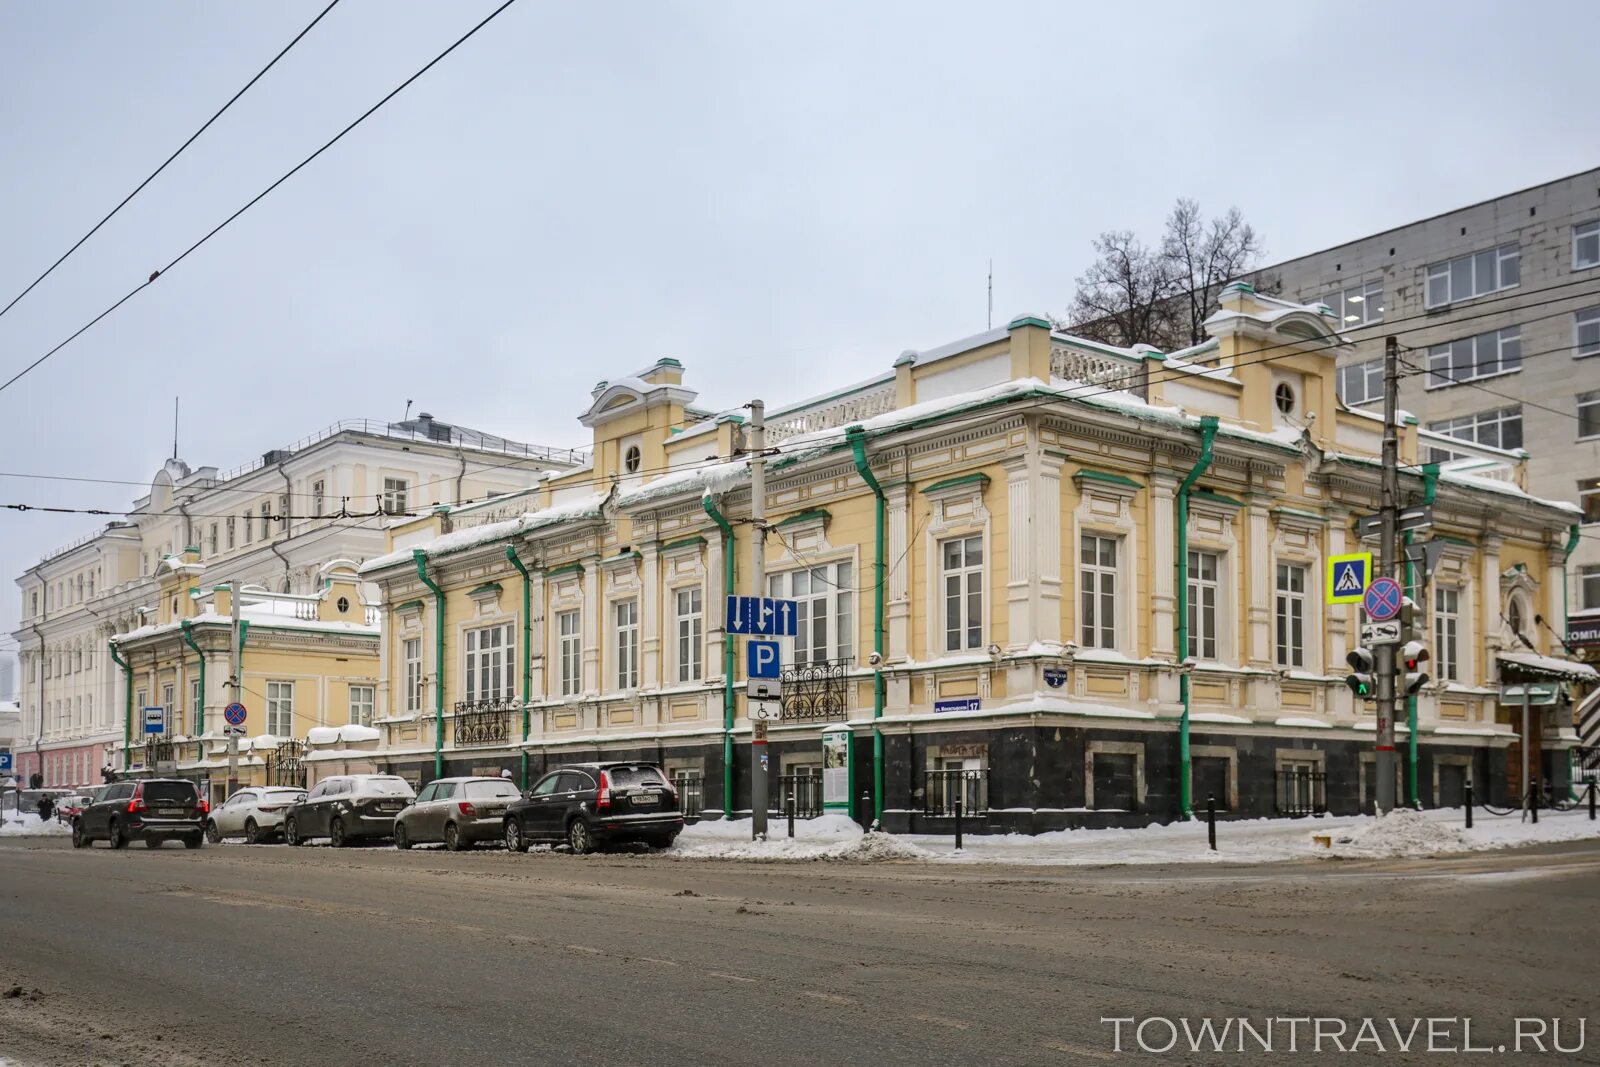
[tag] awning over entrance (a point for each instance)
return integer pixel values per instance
(1532, 667)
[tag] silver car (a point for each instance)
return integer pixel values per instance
(255, 814)
(458, 811)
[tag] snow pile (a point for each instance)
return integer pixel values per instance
(830, 837)
(1401, 833)
(29, 825)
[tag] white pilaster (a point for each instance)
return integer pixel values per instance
(900, 562)
(1021, 543)
(1258, 591)
(1163, 549)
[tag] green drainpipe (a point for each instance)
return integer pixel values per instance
(527, 654)
(438, 660)
(857, 437)
(200, 712)
(1208, 434)
(127, 710)
(727, 658)
(1572, 542)
(1430, 493)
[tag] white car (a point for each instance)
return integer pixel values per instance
(254, 814)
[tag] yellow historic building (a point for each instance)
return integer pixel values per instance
(307, 661)
(1062, 581)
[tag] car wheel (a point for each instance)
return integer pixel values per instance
(579, 838)
(291, 833)
(252, 832)
(662, 840)
(212, 833)
(515, 842)
(336, 836)
(194, 841)
(115, 837)
(402, 840)
(452, 837)
(79, 838)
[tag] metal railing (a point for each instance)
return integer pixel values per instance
(1586, 764)
(944, 788)
(1302, 792)
(485, 722)
(286, 765)
(691, 789)
(816, 691)
(159, 752)
(805, 787)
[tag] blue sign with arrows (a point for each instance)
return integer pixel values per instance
(763, 616)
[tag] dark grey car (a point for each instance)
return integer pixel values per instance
(458, 811)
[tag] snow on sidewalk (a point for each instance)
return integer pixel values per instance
(28, 824)
(1402, 833)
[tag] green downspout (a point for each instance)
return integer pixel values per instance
(527, 654)
(727, 658)
(1208, 434)
(858, 446)
(1430, 492)
(1572, 542)
(127, 710)
(438, 660)
(200, 712)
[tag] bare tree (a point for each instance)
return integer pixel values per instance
(1127, 295)
(1203, 257)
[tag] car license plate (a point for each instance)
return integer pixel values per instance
(390, 807)
(169, 813)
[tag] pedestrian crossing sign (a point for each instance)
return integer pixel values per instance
(1348, 577)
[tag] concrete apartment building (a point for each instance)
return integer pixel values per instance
(1497, 308)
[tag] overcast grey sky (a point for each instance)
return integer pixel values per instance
(782, 197)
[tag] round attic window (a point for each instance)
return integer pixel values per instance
(632, 458)
(1283, 396)
(343, 604)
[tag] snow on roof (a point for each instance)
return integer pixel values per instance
(965, 344)
(1219, 374)
(1495, 485)
(256, 619)
(461, 540)
(711, 479)
(328, 735)
(1550, 665)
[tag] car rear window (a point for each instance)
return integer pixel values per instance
(177, 792)
(627, 776)
(281, 796)
(383, 787)
(485, 790)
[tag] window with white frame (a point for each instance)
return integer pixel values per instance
(962, 563)
(1481, 356)
(1097, 579)
(1589, 414)
(1291, 615)
(1204, 595)
(569, 652)
(280, 709)
(168, 700)
(266, 520)
(249, 530)
(1468, 276)
(1586, 332)
(1447, 632)
(1361, 383)
(1358, 305)
(625, 621)
(411, 655)
(195, 700)
(396, 495)
(1589, 586)
(211, 550)
(319, 492)
(1500, 428)
(230, 528)
(824, 599)
(690, 612)
(491, 668)
(1589, 499)
(1586, 244)
(362, 699)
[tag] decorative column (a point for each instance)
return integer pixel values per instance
(1163, 564)
(1047, 542)
(1020, 542)
(650, 620)
(1259, 589)
(1489, 606)
(898, 611)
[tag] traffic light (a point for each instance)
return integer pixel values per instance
(1362, 682)
(1415, 657)
(1408, 616)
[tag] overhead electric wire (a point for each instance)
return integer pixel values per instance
(258, 197)
(155, 173)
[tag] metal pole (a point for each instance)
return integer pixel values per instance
(1593, 788)
(1527, 784)
(1390, 502)
(1211, 819)
(758, 582)
(1468, 804)
(958, 820)
(791, 811)
(236, 679)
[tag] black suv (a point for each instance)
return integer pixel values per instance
(151, 810)
(590, 805)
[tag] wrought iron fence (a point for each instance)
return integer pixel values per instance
(1586, 764)
(159, 752)
(691, 792)
(1302, 792)
(817, 691)
(286, 765)
(806, 787)
(945, 787)
(486, 722)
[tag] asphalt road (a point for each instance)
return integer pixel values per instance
(369, 956)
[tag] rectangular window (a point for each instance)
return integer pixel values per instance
(1586, 245)
(411, 653)
(491, 668)
(963, 593)
(1204, 589)
(211, 549)
(1447, 632)
(1483, 356)
(395, 496)
(625, 618)
(824, 599)
(1586, 332)
(1097, 575)
(1357, 306)
(1291, 615)
(1361, 383)
(362, 698)
(318, 493)
(195, 698)
(691, 627)
(168, 700)
(1500, 428)
(280, 709)
(1589, 498)
(249, 529)
(1589, 587)
(1589, 414)
(230, 528)
(1468, 276)
(266, 520)
(570, 652)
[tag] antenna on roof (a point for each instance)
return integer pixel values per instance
(408, 411)
(174, 427)
(990, 324)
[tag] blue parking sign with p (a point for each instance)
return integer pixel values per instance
(762, 660)
(5, 760)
